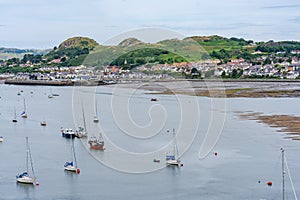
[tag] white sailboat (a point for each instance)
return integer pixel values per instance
(50, 96)
(284, 168)
(96, 120)
(24, 113)
(15, 116)
(82, 132)
(173, 157)
(25, 177)
(1, 138)
(72, 165)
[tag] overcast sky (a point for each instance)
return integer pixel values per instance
(46, 23)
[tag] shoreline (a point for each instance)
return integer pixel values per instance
(213, 88)
(53, 83)
(221, 89)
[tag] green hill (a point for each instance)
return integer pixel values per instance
(73, 51)
(132, 52)
(75, 42)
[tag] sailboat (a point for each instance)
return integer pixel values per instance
(283, 172)
(72, 165)
(173, 157)
(1, 138)
(43, 123)
(15, 116)
(81, 133)
(50, 96)
(24, 114)
(96, 120)
(25, 177)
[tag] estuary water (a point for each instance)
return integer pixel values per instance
(246, 155)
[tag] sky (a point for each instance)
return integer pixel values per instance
(46, 23)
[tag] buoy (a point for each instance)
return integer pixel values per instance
(37, 183)
(181, 165)
(258, 181)
(78, 171)
(269, 183)
(216, 153)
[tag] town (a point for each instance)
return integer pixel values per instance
(65, 64)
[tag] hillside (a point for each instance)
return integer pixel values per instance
(72, 51)
(82, 42)
(7, 53)
(132, 52)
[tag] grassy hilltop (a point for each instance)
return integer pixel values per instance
(132, 52)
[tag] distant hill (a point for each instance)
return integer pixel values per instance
(82, 42)
(7, 53)
(132, 52)
(74, 50)
(130, 42)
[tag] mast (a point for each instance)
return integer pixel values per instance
(84, 122)
(282, 166)
(31, 163)
(15, 112)
(73, 149)
(175, 146)
(96, 108)
(24, 105)
(27, 154)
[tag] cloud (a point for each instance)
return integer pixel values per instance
(282, 6)
(296, 19)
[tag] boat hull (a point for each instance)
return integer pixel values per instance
(24, 116)
(71, 168)
(173, 162)
(97, 147)
(26, 180)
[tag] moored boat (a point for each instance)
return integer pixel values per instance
(71, 166)
(43, 123)
(24, 113)
(25, 177)
(68, 133)
(15, 116)
(95, 143)
(172, 158)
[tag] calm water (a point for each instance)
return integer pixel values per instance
(248, 152)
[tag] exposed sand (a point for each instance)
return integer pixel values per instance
(217, 88)
(284, 123)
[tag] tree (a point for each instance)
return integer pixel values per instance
(234, 73)
(223, 75)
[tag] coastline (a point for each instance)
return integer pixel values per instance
(222, 89)
(53, 83)
(214, 88)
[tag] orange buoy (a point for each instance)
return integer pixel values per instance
(78, 171)
(37, 183)
(269, 183)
